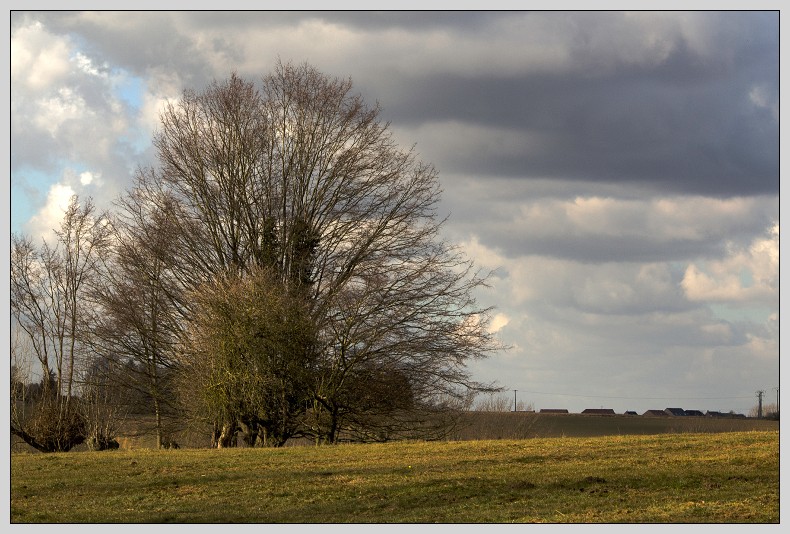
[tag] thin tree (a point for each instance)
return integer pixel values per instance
(136, 303)
(48, 304)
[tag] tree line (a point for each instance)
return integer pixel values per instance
(279, 273)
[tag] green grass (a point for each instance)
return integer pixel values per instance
(668, 478)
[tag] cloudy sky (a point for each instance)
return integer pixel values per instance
(620, 171)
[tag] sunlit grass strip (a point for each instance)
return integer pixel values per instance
(689, 478)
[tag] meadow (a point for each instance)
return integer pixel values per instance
(725, 477)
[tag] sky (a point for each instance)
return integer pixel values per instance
(617, 172)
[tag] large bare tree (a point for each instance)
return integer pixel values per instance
(299, 177)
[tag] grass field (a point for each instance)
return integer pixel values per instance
(730, 477)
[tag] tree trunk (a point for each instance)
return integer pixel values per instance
(158, 411)
(250, 428)
(227, 436)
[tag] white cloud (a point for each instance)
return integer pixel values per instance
(71, 128)
(50, 216)
(509, 273)
(53, 112)
(629, 329)
(746, 275)
(39, 60)
(152, 106)
(498, 322)
(87, 178)
(85, 64)
(664, 218)
(516, 221)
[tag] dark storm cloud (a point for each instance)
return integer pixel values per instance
(699, 137)
(598, 249)
(688, 123)
(475, 21)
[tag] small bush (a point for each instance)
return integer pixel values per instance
(101, 443)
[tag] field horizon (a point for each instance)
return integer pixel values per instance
(137, 432)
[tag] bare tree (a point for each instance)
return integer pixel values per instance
(137, 298)
(302, 179)
(495, 403)
(414, 320)
(48, 304)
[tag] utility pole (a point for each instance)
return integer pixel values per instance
(777, 398)
(515, 404)
(760, 404)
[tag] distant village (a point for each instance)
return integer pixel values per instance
(666, 412)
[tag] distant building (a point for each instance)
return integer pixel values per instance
(630, 412)
(553, 410)
(598, 411)
(694, 413)
(655, 413)
(678, 412)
